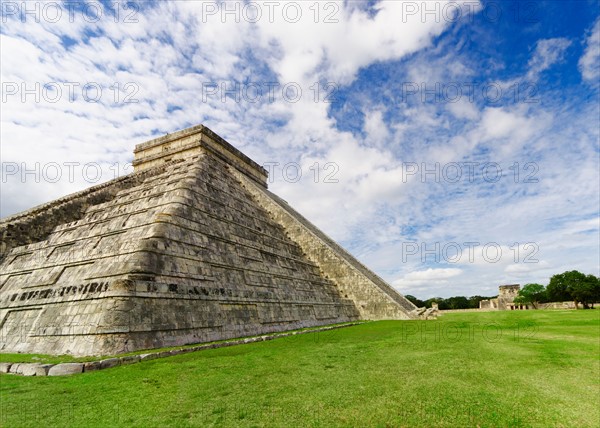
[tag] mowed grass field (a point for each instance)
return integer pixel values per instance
(507, 369)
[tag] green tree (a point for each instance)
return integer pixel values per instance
(458, 302)
(442, 303)
(558, 288)
(596, 288)
(531, 294)
(576, 286)
(417, 302)
(586, 291)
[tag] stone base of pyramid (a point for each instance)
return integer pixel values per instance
(190, 248)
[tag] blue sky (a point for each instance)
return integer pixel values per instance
(451, 146)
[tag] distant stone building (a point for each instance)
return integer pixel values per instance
(488, 304)
(505, 299)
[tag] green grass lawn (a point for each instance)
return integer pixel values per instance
(529, 368)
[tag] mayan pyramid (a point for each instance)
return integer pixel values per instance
(191, 247)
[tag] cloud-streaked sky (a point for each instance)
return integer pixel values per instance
(450, 146)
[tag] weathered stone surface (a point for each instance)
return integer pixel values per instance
(15, 368)
(148, 357)
(131, 359)
(29, 369)
(505, 299)
(506, 296)
(91, 366)
(353, 280)
(110, 362)
(5, 367)
(189, 248)
(43, 369)
(65, 369)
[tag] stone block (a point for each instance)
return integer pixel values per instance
(15, 368)
(91, 366)
(29, 369)
(110, 362)
(131, 359)
(43, 369)
(5, 367)
(65, 369)
(148, 357)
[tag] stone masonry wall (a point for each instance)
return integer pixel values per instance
(36, 224)
(188, 249)
(186, 256)
(506, 295)
(373, 297)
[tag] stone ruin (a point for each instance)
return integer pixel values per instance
(505, 299)
(191, 247)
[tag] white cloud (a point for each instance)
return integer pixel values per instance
(432, 274)
(498, 123)
(525, 270)
(464, 109)
(547, 53)
(589, 63)
(339, 49)
(508, 130)
(375, 127)
(430, 277)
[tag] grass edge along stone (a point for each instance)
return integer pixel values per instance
(69, 368)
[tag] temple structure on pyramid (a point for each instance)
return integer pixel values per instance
(191, 247)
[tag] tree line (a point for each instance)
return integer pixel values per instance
(456, 302)
(568, 286)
